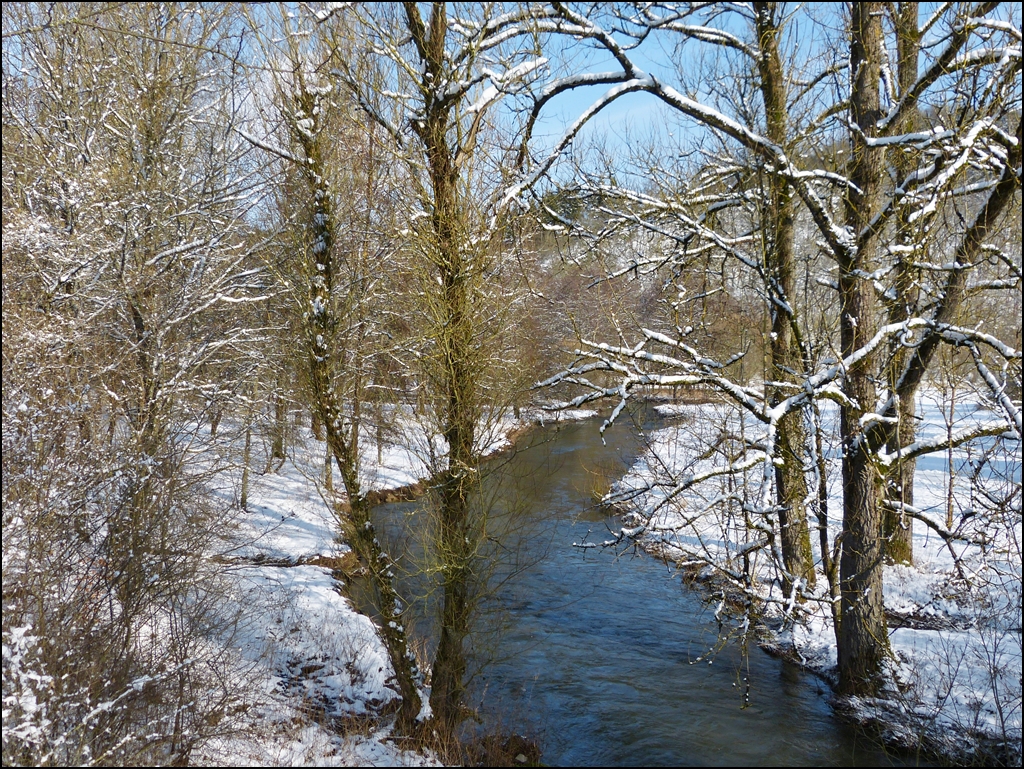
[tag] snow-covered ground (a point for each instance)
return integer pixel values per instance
(955, 624)
(315, 668)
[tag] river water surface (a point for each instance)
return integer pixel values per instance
(604, 656)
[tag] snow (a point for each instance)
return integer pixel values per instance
(956, 645)
(301, 623)
(317, 665)
(286, 518)
(558, 413)
(668, 410)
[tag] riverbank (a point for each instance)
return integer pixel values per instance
(954, 617)
(592, 663)
(314, 670)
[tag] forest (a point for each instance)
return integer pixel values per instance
(309, 308)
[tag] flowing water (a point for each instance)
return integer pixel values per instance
(604, 656)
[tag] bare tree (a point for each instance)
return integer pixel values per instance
(437, 73)
(331, 199)
(879, 361)
(125, 197)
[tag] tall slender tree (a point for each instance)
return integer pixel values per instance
(439, 70)
(863, 637)
(331, 195)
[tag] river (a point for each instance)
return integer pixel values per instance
(605, 658)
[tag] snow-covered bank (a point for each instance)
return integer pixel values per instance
(317, 666)
(555, 414)
(315, 671)
(954, 622)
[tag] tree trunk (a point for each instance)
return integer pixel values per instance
(899, 484)
(863, 637)
(327, 375)
(899, 489)
(455, 378)
(454, 333)
(828, 563)
(786, 355)
(328, 472)
(362, 535)
(277, 448)
(316, 426)
(246, 453)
